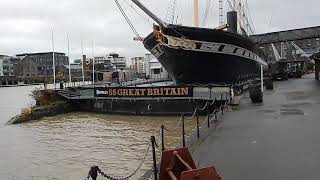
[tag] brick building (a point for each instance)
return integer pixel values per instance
(26, 68)
(41, 64)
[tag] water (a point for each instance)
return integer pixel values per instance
(65, 146)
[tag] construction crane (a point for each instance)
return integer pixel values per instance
(278, 69)
(302, 51)
(275, 52)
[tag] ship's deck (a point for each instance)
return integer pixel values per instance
(278, 139)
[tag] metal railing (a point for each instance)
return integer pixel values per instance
(217, 106)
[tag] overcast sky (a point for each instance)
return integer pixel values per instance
(26, 25)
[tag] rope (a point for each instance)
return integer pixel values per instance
(128, 21)
(205, 16)
(271, 16)
(130, 5)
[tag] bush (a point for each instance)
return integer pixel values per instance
(42, 97)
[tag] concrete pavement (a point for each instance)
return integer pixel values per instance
(279, 139)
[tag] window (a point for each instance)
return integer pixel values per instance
(156, 71)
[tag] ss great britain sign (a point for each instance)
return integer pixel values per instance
(168, 91)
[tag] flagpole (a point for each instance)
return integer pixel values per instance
(53, 62)
(261, 79)
(93, 61)
(70, 80)
(82, 62)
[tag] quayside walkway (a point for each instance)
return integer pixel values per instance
(279, 139)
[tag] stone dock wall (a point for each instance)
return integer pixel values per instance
(37, 113)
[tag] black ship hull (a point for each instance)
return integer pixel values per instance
(204, 56)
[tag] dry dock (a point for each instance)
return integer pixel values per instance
(278, 139)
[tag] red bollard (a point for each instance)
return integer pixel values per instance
(178, 165)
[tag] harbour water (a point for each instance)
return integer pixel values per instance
(65, 146)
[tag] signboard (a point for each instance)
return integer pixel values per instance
(167, 91)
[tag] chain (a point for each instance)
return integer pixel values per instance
(159, 137)
(220, 108)
(177, 126)
(212, 102)
(204, 106)
(213, 113)
(194, 113)
(205, 120)
(187, 134)
(108, 176)
(159, 140)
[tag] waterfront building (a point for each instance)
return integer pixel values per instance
(118, 62)
(154, 69)
(138, 65)
(43, 62)
(103, 63)
(104, 67)
(6, 65)
(26, 68)
(76, 71)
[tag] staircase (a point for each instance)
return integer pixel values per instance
(69, 93)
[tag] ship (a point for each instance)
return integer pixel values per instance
(196, 55)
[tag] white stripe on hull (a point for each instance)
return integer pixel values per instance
(203, 46)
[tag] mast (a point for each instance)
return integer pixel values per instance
(70, 80)
(196, 13)
(93, 61)
(220, 12)
(83, 61)
(53, 61)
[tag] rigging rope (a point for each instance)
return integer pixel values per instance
(271, 16)
(205, 16)
(128, 20)
(130, 5)
(170, 15)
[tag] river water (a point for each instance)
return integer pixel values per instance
(64, 147)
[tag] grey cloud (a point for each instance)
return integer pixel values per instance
(26, 25)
